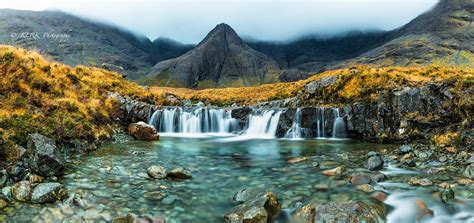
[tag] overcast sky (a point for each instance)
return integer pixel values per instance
(189, 21)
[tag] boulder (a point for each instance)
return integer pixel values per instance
(48, 193)
(248, 194)
(349, 212)
(143, 131)
(157, 172)
(404, 149)
(469, 171)
(21, 191)
(261, 209)
(360, 178)
(44, 157)
(374, 161)
(179, 173)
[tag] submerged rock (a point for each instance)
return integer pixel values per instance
(420, 182)
(21, 191)
(179, 173)
(365, 187)
(48, 193)
(423, 210)
(297, 159)
(143, 131)
(374, 161)
(157, 172)
(349, 212)
(44, 157)
(447, 195)
(261, 209)
(248, 194)
(360, 178)
(131, 218)
(333, 172)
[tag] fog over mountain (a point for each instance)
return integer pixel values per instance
(189, 21)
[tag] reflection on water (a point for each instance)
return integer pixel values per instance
(113, 180)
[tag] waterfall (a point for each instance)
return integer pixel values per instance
(199, 120)
(263, 125)
(320, 122)
(338, 127)
(296, 131)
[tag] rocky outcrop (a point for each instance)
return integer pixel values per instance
(132, 111)
(350, 212)
(48, 193)
(142, 131)
(43, 157)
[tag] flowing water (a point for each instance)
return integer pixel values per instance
(113, 180)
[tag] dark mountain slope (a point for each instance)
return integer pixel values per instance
(221, 59)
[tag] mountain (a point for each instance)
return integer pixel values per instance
(167, 48)
(443, 35)
(314, 54)
(221, 59)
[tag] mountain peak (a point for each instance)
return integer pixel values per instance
(222, 33)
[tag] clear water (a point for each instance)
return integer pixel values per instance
(113, 179)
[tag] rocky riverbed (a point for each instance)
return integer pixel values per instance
(304, 178)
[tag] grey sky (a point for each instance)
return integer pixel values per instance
(189, 21)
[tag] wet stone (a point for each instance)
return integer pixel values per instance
(360, 178)
(21, 191)
(333, 172)
(48, 192)
(420, 182)
(374, 161)
(157, 172)
(447, 195)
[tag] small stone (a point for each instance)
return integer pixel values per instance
(404, 149)
(380, 196)
(7, 193)
(321, 186)
(154, 195)
(451, 149)
(179, 173)
(464, 182)
(447, 195)
(469, 171)
(21, 191)
(3, 203)
(365, 187)
(297, 159)
(35, 179)
(143, 131)
(157, 172)
(360, 178)
(420, 182)
(333, 172)
(168, 200)
(379, 177)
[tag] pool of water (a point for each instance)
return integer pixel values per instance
(113, 180)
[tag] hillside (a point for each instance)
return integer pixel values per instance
(443, 36)
(221, 59)
(89, 43)
(57, 100)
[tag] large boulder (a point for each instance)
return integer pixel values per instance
(44, 157)
(348, 212)
(21, 191)
(260, 209)
(143, 131)
(48, 193)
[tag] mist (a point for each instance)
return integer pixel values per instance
(189, 21)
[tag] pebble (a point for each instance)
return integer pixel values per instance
(333, 172)
(365, 187)
(420, 182)
(297, 159)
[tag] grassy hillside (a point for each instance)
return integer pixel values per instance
(59, 101)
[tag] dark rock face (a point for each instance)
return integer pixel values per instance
(242, 115)
(221, 59)
(260, 209)
(48, 193)
(350, 211)
(44, 157)
(132, 111)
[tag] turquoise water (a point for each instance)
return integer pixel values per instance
(113, 180)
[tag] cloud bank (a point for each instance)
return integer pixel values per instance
(189, 21)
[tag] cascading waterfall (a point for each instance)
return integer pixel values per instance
(263, 125)
(296, 131)
(338, 127)
(320, 122)
(200, 120)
